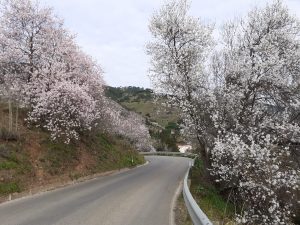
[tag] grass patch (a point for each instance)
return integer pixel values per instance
(10, 188)
(211, 201)
(7, 165)
(57, 156)
(113, 152)
(109, 147)
(24, 166)
(103, 138)
(129, 162)
(59, 149)
(21, 166)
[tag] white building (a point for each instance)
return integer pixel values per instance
(185, 148)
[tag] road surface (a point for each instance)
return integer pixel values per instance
(141, 196)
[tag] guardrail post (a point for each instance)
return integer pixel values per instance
(190, 172)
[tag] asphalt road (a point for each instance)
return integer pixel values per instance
(141, 196)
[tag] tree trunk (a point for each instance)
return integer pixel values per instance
(205, 159)
(17, 114)
(9, 116)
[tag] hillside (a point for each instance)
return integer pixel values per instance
(29, 159)
(141, 101)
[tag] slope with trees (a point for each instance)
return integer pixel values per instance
(57, 91)
(43, 68)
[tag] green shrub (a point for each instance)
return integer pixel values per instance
(8, 165)
(41, 160)
(59, 151)
(14, 159)
(103, 138)
(180, 121)
(11, 188)
(23, 169)
(53, 159)
(109, 147)
(210, 200)
(128, 161)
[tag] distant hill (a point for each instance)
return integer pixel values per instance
(141, 101)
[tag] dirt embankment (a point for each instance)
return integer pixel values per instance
(30, 161)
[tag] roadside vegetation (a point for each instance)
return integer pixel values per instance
(31, 159)
(55, 121)
(239, 102)
(217, 204)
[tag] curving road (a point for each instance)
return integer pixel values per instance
(140, 196)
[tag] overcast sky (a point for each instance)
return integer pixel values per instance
(115, 32)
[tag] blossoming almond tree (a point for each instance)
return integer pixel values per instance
(58, 80)
(180, 46)
(247, 110)
(257, 92)
(127, 124)
(133, 127)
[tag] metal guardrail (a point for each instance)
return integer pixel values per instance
(197, 215)
(167, 153)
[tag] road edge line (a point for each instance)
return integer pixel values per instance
(55, 186)
(173, 204)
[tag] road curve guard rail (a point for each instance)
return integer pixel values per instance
(168, 153)
(197, 215)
